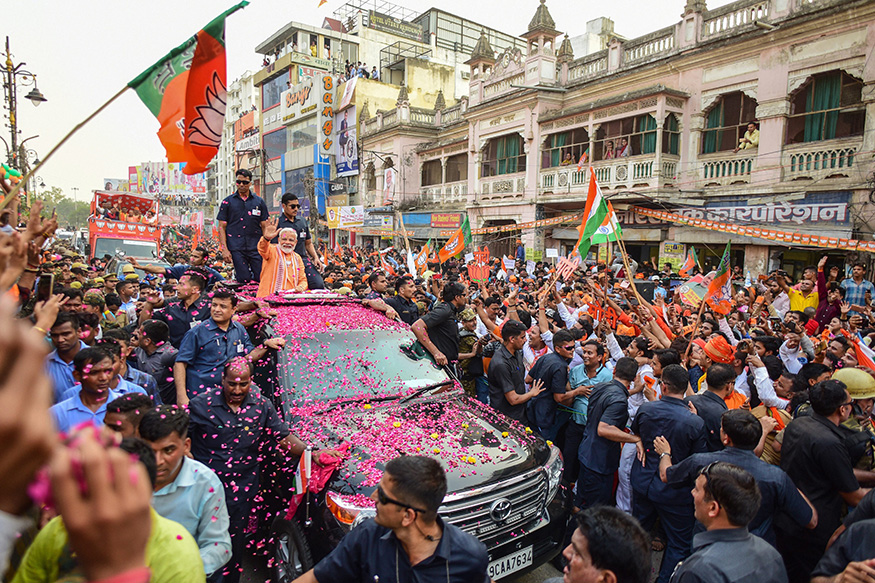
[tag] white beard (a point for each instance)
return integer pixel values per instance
(287, 248)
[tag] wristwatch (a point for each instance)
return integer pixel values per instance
(668, 453)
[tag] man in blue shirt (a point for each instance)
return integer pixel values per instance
(741, 433)
(669, 417)
(552, 370)
(710, 404)
(208, 346)
(856, 288)
(230, 430)
(191, 306)
(197, 258)
(59, 363)
(242, 217)
(187, 491)
(599, 452)
(581, 379)
(406, 540)
(92, 368)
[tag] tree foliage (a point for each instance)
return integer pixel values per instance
(70, 213)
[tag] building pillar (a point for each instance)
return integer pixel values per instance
(697, 124)
(772, 116)
(443, 172)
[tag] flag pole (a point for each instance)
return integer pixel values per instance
(69, 135)
(695, 329)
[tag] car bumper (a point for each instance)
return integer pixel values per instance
(546, 537)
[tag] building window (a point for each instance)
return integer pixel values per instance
(302, 136)
(671, 135)
(629, 136)
(829, 106)
(431, 172)
(457, 168)
(504, 156)
(272, 90)
(565, 148)
(727, 121)
(275, 144)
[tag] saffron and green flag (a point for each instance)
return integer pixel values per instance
(457, 243)
(594, 215)
(719, 295)
(689, 263)
(186, 92)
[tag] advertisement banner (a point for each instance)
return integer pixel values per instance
(445, 220)
(342, 217)
(165, 179)
(115, 184)
(389, 176)
(347, 147)
(326, 115)
(133, 180)
(298, 102)
(348, 91)
(395, 26)
(674, 253)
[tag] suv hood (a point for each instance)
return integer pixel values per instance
(474, 443)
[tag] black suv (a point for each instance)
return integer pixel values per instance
(347, 375)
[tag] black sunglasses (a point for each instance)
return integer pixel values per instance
(243, 182)
(294, 206)
(383, 499)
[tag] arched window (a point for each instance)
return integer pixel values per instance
(504, 155)
(727, 121)
(457, 168)
(828, 106)
(671, 135)
(564, 148)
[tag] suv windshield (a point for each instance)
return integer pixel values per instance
(353, 363)
(132, 248)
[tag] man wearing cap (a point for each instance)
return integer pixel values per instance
(128, 291)
(80, 272)
(242, 217)
(861, 387)
(110, 280)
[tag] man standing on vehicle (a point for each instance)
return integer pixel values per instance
(438, 330)
(305, 248)
(242, 217)
(406, 540)
(228, 429)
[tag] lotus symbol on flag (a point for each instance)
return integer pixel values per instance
(206, 129)
(141, 228)
(100, 224)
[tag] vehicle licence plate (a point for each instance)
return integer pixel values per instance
(510, 564)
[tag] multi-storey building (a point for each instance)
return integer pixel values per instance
(241, 122)
(659, 118)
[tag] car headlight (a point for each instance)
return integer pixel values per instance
(349, 511)
(553, 467)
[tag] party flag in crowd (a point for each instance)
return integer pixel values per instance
(422, 258)
(304, 471)
(609, 230)
(583, 158)
(865, 356)
(457, 243)
(186, 92)
(689, 263)
(719, 295)
(593, 215)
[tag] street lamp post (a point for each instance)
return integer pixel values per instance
(10, 95)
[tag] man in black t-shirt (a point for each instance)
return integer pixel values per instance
(507, 374)
(403, 302)
(304, 248)
(438, 330)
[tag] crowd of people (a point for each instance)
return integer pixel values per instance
(739, 444)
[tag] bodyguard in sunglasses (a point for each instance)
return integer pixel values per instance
(242, 217)
(407, 540)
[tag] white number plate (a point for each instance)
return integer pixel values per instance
(510, 564)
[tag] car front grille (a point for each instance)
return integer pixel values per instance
(470, 509)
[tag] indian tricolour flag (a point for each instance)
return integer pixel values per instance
(609, 230)
(186, 92)
(594, 215)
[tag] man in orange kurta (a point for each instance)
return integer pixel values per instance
(282, 269)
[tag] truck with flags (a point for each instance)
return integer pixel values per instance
(117, 226)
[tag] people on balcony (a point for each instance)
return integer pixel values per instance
(751, 138)
(609, 150)
(623, 150)
(568, 160)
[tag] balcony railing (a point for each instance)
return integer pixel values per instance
(818, 160)
(724, 169)
(624, 172)
(504, 187)
(451, 193)
(728, 19)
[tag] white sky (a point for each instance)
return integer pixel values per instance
(83, 52)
